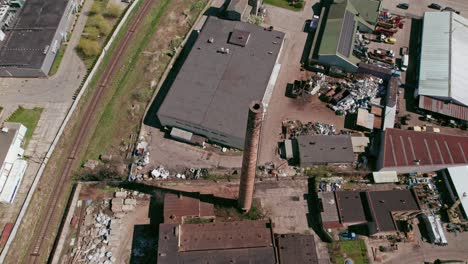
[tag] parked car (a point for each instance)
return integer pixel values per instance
(390, 40)
(435, 6)
(403, 6)
(449, 9)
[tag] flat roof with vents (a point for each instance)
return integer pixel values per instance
(321, 149)
(28, 41)
(214, 88)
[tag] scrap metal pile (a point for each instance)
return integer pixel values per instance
(295, 128)
(357, 94)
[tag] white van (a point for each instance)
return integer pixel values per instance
(404, 62)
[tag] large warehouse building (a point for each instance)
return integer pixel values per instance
(333, 42)
(231, 64)
(31, 43)
(443, 68)
(407, 151)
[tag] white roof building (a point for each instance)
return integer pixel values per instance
(459, 176)
(12, 166)
(385, 176)
(444, 53)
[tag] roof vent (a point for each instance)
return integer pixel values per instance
(211, 40)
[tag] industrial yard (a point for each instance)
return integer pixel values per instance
(316, 131)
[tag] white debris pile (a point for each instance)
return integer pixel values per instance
(95, 246)
(160, 173)
(361, 92)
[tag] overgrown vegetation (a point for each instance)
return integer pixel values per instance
(320, 171)
(58, 59)
(28, 117)
(230, 213)
(291, 5)
(354, 250)
(101, 20)
(145, 63)
(256, 20)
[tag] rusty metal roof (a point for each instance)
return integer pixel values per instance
(223, 242)
(177, 206)
(297, 248)
(443, 108)
(225, 235)
(411, 148)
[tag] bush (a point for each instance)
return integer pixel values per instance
(299, 5)
(113, 10)
(92, 33)
(89, 48)
(95, 8)
(104, 27)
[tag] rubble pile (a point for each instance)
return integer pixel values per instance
(161, 173)
(295, 128)
(98, 239)
(100, 236)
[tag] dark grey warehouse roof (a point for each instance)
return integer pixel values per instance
(33, 31)
(320, 149)
(213, 89)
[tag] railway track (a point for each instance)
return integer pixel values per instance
(46, 222)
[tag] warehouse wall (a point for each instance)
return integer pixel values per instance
(336, 60)
(214, 136)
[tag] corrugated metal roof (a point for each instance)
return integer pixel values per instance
(459, 67)
(444, 52)
(441, 107)
(459, 176)
(435, 53)
(406, 148)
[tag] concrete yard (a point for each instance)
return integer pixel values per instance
(281, 107)
(285, 202)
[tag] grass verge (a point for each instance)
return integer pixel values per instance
(131, 90)
(298, 6)
(57, 60)
(354, 250)
(28, 117)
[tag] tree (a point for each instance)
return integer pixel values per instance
(101, 23)
(113, 10)
(92, 33)
(95, 9)
(89, 47)
(299, 5)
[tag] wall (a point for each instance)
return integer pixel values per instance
(214, 136)
(336, 60)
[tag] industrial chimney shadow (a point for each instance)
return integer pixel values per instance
(313, 217)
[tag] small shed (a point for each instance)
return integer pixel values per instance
(385, 176)
(359, 144)
(365, 119)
